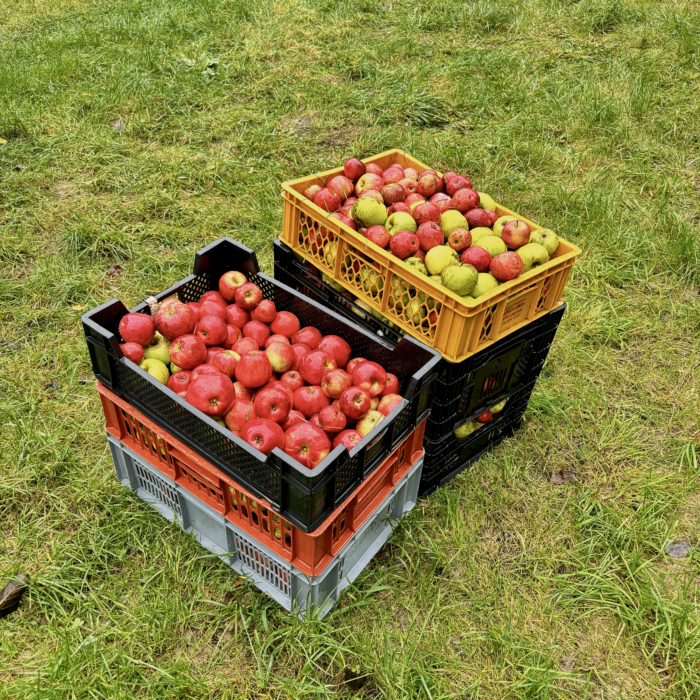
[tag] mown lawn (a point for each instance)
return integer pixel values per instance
(135, 131)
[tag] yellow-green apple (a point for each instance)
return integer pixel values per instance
(493, 244)
(533, 255)
(388, 403)
(401, 221)
(281, 357)
(156, 369)
(368, 422)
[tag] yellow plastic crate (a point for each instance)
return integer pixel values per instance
(454, 326)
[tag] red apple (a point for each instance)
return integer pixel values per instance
(299, 351)
(427, 184)
(393, 193)
(355, 402)
(239, 414)
(350, 201)
(281, 357)
(293, 418)
(306, 443)
(236, 316)
(465, 199)
(195, 306)
(477, 218)
(273, 404)
(493, 216)
(180, 381)
(439, 197)
(213, 294)
(277, 384)
(515, 234)
(374, 194)
(378, 235)
(455, 184)
(506, 266)
(404, 244)
(485, 417)
(338, 347)
(167, 302)
(409, 185)
(410, 172)
(212, 351)
(330, 419)
(245, 345)
(391, 386)
(388, 403)
(263, 435)
(233, 335)
(133, 352)
(308, 336)
(444, 205)
(311, 191)
(211, 307)
(285, 323)
(335, 382)
(369, 376)
(347, 221)
(354, 168)
(427, 171)
(348, 438)
(258, 330)
(393, 175)
(277, 338)
(212, 394)
(459, 239)
(229, 282)
(477, 257)
(447, 177)
(353, 363)
(315, 364)
(368, 422)
(203, 369)
(253, 369)
(310, 400)
(188, 351)
(374, 169)
(226, 362)
(399, 206)
(137, 328)
(248, 296)
(212, 330)
(429, 235)
(413, 198)
(327, 200)
(241, 391)
(420, 254)
(368, 181)
(292, 380)
(342, 187)
(265, 311)
(426, 212)
(175, 320)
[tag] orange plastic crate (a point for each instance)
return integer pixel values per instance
(454, 326)
(309, 552)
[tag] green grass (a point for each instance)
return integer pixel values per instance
(582, 116)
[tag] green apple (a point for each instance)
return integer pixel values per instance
(174, 368)
(466, 429)
(450, 220)
(480, 232)
(493, 244)
(440, 257)
(364, 306)
(532, 255)
(330, 250)
(551, 240)
(436, 278)
(536, 237)
(400, 221)
(417, 263)
(500, 223)
(333, 284)
(484, 283)
(499, 407)
(460, 279)
(156, 369)
(368, 212)
(417, 312)
(159, 349)
(486, 202)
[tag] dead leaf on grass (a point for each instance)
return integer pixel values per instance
(678, 550)
(558, 478)
(114, 270)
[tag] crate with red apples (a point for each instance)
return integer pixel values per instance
(425, 251)
(293, 400)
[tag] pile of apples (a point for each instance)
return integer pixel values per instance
(439, 225)
(260, 374)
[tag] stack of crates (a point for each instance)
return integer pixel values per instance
(493, 348)
(301, 535)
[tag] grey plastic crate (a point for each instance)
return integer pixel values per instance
(291, 588)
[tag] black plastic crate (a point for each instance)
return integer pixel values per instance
(304, 496)
(446, 458)
(464, 389)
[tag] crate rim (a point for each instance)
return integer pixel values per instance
(487, 299)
